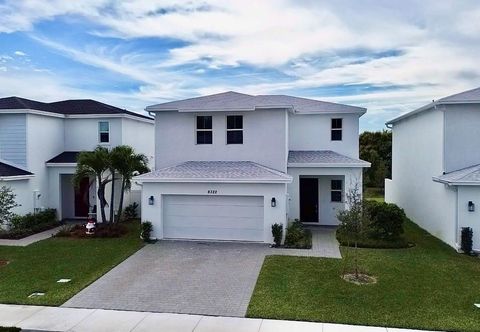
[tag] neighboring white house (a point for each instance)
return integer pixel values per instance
(436, 166)
(230, 165)
(39, 144)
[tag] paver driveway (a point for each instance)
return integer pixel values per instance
(209, 278)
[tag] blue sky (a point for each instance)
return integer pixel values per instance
(390, 57)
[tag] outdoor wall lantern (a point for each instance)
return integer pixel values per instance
(471, 206)
(151, 200)
(274, 202)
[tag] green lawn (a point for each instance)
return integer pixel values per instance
(374, 194)
(429, 286)
(37, 267)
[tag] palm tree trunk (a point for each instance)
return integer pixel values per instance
(120, 204)
(112, 199)
(101, 194)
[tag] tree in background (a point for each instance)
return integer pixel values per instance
(376, 148)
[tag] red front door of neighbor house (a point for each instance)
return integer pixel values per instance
(82, 198)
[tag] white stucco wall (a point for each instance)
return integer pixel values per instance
(44, 140)
(313, 132)
(462, 134)
(82, 134)
(417, 156)
(140, 136)
(24, 196)
(272, 215)
(263, 139)
(467, 218)
(327, 210)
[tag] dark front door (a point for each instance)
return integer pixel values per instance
(308, 200)
(82, 198)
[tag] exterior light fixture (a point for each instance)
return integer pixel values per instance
(274, 202)
(151, 200)
(471, 206)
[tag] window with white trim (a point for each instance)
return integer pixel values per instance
(337, 126)
(204, 129)
(336, 190)
(104, 132)
(234, 129)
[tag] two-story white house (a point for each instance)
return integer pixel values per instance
(230, 165)
(436, 166)
(39, 144)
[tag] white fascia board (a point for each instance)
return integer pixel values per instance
(253, 181)
(456, 183)
(16, 177)
(76, 116)
(100, 116)
(61, 164)
(327, 165)
(31, 111)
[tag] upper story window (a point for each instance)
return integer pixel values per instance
(336, 191)
(104, 132)
(337, 125)
(204, 130)
(234, 129)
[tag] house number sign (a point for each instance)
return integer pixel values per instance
(212, 191)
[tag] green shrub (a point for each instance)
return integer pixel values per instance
(277, 232)
(147, 228)
(131, 211)
(384, 220)
(381, 227)
(34, 221)
(297, 236)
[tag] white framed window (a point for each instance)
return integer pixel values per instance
(204, 131)
(104, 132)
(337, 127)
(336, 190)
(234, 129)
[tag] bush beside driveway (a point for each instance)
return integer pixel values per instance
(37, 267)
(429, 286)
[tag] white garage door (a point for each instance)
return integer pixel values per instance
(213, 217)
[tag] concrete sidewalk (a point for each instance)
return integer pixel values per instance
(96, 320)
(30, 239)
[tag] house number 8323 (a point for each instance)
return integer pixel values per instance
(212, 191)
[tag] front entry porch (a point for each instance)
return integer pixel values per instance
(321, 198)
(77, 202)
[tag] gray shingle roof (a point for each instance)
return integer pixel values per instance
(325, 158)
(66, 107)
(469, 96)
(216, 171)
(9, 170)
(465, 96)
(66, 157)
(466, 176)
(242, 102)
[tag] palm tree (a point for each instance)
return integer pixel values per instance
(126, 162)
(95, 164)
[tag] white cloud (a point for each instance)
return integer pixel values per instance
(20, 53)
(317, 44)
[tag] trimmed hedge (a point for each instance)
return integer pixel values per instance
(23, 226)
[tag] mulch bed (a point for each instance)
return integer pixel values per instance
(101, 231)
